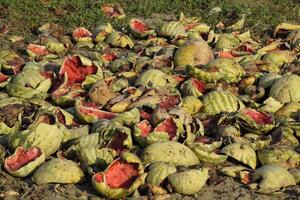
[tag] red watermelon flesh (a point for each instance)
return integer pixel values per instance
(169, 126)
(225, 54)
(199, 85)
(119, 175)
(21, 158)
(90, 108)
(100, 114)
(81, 32)
(246, 178)
(145, 128)
(109, 56)
(3, 77)
(145, 115)
(179, 78)
(139, 26)
(99, 178)
(37, 49)
(75, 70)
(190, 26)
(258, 117)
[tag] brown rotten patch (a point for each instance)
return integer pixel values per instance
(10, 113)
(117, 142)
(169, 102)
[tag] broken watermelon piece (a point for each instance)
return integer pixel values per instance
(89, 112)
(65, 95)
(24, 161)
(168, 126)
(121, 140)
(121, 178)
(169, 102)
(35, 50)
(3, 77)
(113, 11)
(258, 117)
(141, 131)
(81, 34)
(75, 70)
(255, 121)
(140, 29)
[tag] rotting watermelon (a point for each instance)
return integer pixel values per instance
(121, 178)
(3, 77)
(21, 158)
(169, 102)
(145, 128)
(113, 11)
(82, 34)
(89, 112)
(117, 142)
(37, 50)
(75, 70)
(120, 175)
(199, 85)
(91, 109)
(169, 126)
(258, 117)
(139, 28)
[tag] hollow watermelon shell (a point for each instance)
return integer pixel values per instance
(121, 141)
(66, 95)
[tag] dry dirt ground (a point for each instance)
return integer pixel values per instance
(225, 189)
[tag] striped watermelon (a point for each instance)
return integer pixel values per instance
(219, 101)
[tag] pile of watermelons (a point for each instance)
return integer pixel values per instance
(152, 108)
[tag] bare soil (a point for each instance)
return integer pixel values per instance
(227, 189)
